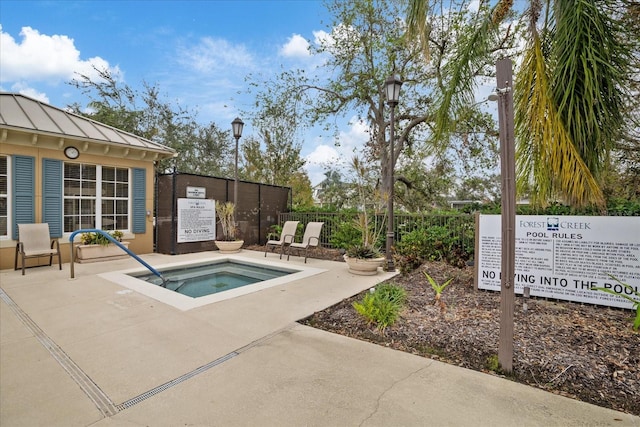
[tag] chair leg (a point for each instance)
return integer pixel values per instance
(15, 264)
(23, 263)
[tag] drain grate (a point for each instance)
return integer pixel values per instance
(91, 389)
(129, 403)
(97, 396)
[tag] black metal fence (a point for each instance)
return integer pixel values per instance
(462, 225)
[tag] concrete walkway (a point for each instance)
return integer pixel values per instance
(91, 352)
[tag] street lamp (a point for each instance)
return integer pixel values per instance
(237, 126)
(392, 91)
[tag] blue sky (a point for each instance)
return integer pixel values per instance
(197, 52)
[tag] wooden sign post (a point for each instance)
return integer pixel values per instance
(504, 89)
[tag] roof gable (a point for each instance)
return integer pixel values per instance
(20, 112)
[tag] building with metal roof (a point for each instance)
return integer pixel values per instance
(72, 173)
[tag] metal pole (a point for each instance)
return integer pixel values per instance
(508, 217)
(235, 185)
(390, 233)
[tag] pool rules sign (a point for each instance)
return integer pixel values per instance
(196, 220)
(563, 257)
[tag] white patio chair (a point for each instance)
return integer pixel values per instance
(310, 239)
(34, 242)
(286, 237)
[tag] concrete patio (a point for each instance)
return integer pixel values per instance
(89, 351)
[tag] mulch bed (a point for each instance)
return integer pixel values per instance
(580, 351)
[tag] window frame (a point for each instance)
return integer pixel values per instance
(98, 197)
(8, 197)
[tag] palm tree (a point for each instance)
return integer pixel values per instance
(570, 92)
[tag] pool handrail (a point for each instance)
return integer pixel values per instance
(117, 243)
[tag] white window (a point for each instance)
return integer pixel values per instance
(4, 196)
(85, 207)
(115, 198)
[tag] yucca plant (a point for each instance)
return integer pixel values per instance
(225, 212)
(438, 290)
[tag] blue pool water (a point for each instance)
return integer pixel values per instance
(206, 279)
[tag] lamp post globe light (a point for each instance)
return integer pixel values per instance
(392, 91)
(236, 125)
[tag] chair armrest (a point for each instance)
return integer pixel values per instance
(289, 238)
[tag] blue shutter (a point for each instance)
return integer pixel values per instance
(139, 201)
(23, 192)
(52, 195)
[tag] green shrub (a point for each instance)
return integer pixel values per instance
(99, 239)
(383, 305)
(435, 243)
(345, 235)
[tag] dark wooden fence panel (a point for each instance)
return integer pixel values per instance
(259, 206)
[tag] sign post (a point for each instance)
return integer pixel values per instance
(507, 166)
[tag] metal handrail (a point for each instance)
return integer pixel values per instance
(117, 243)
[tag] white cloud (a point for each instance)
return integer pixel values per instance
(39, 57)
(322, 38)
(30, 92)
(317, 161)
(327, 154)
(214, 55)
(297, 47)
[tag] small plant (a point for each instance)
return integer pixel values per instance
(438, 289)
(99, 239)
(382, 306)
(635, 301)
(493, 363)
(225, 212)
(363, 252)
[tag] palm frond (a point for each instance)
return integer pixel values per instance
(589, 79)
(546, 157)
(418, 27)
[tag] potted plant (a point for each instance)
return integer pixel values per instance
(364, 258)
(229, 243)
(95, 247)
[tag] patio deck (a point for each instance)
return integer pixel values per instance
(88, 351)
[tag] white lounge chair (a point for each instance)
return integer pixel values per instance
(310, 239)
(34, 242)
(287, 236)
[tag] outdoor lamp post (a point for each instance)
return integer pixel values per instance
(237, 126)
(392, 90)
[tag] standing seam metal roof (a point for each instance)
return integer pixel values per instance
(22, 112)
